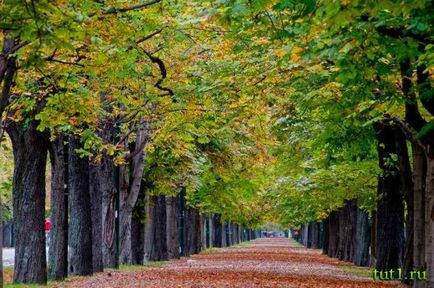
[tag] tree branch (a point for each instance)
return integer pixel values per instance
(412, 114)
(113, 10)
(163, 72)
(402, 32)
(409, 132)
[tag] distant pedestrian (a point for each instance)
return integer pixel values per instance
(47, 230)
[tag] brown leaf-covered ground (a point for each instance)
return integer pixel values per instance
(269, 262)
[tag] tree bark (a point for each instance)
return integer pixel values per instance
(314, 235)
(137, 240)
(107, 189)
(224, 234)
(333, 234)
(407, 191)
(211, 230)
(80, 232)
(172, 227)
(30, 149)
(429, 222)
(193, 243)
(58, 251)
(130, 191)
(155, 229)
(126, 217)
(203, 228)
(373, 254)
(180, 198)
(138, 228)
(347, 230)
(390, 209)
(419, 176)
(96, 214)
(363, 239)
(305, 235)
(325, 246)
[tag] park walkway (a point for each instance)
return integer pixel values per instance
(269, 262)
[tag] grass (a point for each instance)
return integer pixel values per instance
(359, 271)
(296, 244)
(209, 250)
(141, 267)
(241, 244)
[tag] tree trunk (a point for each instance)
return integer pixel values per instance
(203, 228)
(193, 243)
(58, 251)
(138, 229)
(180, 198)
(429, 222)
(80, 232)
(419, 176)
(126, 217)
(314, 235)
(235, 233)
(107, 189)
(137, 240)
(347, 230)
(363, 239)
(325, 245)
(96, 213)
(333, 234)
(30, 157)
(130, 190)
(305, 235)
(224, 234)
(228, 233)
(373, 254)
(211, 229)
(172, 227)
(407, 191)
(238, 233)
(155, 229)
(390, 209)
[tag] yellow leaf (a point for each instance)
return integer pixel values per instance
(280, 52)
(294, 57)
(297, 50)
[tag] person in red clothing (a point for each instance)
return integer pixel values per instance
(47, 230)
(47, 225)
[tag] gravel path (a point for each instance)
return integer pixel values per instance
(269, 262)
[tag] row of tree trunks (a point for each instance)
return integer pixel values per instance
(347, 234)
(70, 178)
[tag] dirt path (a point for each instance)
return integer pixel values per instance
(261, 263)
